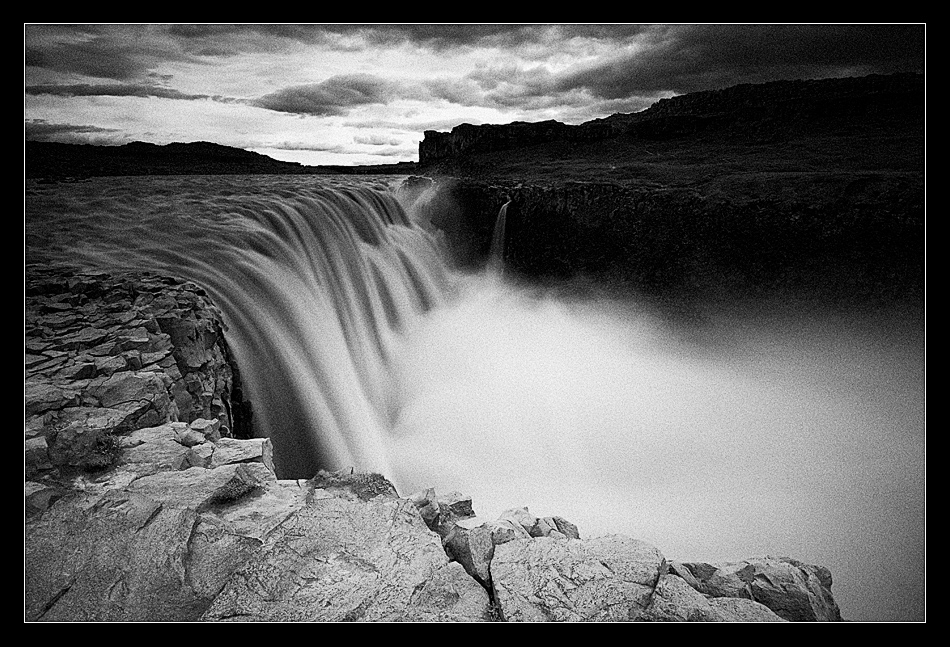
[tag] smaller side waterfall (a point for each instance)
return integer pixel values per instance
(496, 261)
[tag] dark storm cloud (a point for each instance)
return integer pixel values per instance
(39, 130)
(443, 36)
(335, 96)
(685, 58)
(91, 59)
(362, 36)
(118, 90)
(118, 52)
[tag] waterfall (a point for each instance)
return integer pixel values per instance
(314, 284)
(772, 430)
(496, 256)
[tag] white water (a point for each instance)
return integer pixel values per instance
(771, 432)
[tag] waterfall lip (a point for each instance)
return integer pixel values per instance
(315, 283)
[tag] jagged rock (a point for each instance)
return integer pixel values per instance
(140, 390)
(230, 450)
(564, 526)
(210, 429)
(469, 542)
(456, 505)
(109, 364)
(449, 594)
(743, 610)
(200, 455)
(258, 515)
(104, 349)
(36, 455)
(676, 601)
(198, 488)
(349, 559)
(504, 530)
(42, 396)
(215, 551)
(427, 504)
(154, 449)
(606, 578)
(37, 497)
(121, 556)
(521, 517)
(190, 438)
(81, 371)
(793, 590)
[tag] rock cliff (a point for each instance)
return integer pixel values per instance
(794, 186)
(768, 111)
(142, 505)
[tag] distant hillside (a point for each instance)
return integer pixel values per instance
(855, 117)
(50, 159)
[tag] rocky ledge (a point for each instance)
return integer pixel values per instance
(142, 505)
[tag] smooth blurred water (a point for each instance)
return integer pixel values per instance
(772, 429)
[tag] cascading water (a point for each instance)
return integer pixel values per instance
(496, 256)
(765, 432)
(314, 285)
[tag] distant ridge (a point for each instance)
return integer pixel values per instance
(56, 160)
(753, 113)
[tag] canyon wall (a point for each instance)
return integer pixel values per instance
(767, 110)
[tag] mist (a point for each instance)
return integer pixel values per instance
(745, 432)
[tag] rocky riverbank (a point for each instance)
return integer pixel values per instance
(145, 499)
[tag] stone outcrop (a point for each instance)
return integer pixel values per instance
(540, 569)
(105, 355)
(795, 591)
(208, 532)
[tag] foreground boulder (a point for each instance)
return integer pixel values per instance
(339, 559)
(542, 579)
(232, 542)
(795, 591)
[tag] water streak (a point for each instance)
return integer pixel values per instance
(496, 256)
(314, 283)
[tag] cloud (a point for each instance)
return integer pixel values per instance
(414, 128)
(233, 39)
(377, 140)
(300, 146)
(119, 90)
(335, 96)
(118, 52)
(686, 58)
(402, 152)
(40, 130)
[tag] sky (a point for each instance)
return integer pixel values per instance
(346, 94)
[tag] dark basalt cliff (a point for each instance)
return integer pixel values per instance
(767, 111)
(814, 187)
